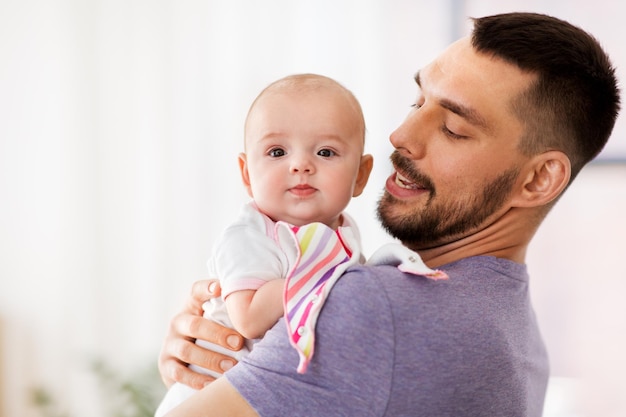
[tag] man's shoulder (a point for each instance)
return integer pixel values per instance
(360, 288)
(477, 267)
(358, 275)
(366, 288)
(385, 286)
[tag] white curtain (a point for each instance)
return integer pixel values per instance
(120, 124)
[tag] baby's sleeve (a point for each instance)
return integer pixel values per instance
(245, 258)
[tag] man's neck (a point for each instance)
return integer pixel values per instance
(507, 238)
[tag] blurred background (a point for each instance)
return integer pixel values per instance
(120, 125)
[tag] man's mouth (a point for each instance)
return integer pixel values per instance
(407, 181)
(403, 182)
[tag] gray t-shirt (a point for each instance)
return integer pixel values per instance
(393, 344)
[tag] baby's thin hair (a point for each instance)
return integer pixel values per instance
(308, 82)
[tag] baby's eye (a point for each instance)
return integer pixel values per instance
(326, 153)
(276, 152)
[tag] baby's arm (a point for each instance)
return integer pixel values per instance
(253, 312)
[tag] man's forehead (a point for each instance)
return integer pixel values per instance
(476, 86)
(462, 68)
(456, 55)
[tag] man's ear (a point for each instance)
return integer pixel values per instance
(245, 176)
(365, 168)
(546, 177)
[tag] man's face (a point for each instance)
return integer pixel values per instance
(456, 159)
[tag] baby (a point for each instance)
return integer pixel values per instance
(304, 160)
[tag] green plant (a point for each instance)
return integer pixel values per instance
(45, 403)
(134, 395)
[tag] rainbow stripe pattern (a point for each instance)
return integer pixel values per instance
(322, 256)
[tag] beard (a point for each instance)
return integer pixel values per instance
(441, 221)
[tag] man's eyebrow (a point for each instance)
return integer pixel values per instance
(467, 113)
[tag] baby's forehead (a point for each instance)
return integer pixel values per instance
(311, 87)
(304, 81)
(342, 98)
(304, 85)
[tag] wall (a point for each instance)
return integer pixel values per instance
(121, 123)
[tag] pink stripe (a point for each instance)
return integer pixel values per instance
(321, 264)
(304, 317)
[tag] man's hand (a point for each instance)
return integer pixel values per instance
(179, 348)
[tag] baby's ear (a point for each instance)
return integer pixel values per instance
(245, 176)
(365, 168)
(546, 178)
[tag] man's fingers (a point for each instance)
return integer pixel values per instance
(229, 338)
(179, 347)
(179, 372)
(201, 291)
(206, 289)
(196, 327)
(211, 360)
(187, 352)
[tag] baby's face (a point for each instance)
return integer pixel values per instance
(303, 154)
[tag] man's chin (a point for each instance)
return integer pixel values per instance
(408, 226)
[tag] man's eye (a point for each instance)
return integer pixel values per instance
(418, 103)
(326, 153)
(276, 152)
(451, 134)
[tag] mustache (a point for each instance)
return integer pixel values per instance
(408, 170)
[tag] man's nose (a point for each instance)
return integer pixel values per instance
(411, 137)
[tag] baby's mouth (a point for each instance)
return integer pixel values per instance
(302, 190)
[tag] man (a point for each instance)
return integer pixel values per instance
(503, 122)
